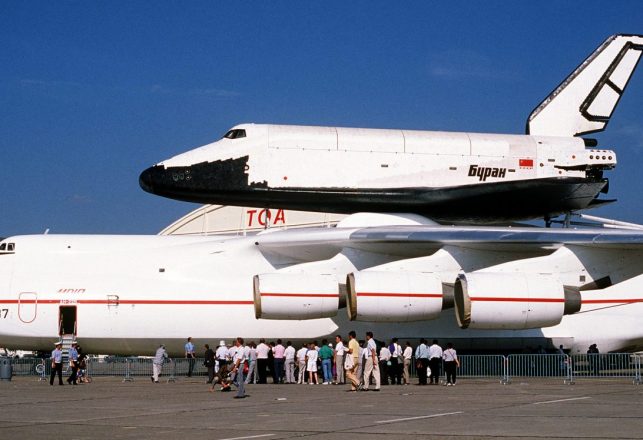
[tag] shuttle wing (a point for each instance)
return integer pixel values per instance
(583, 103)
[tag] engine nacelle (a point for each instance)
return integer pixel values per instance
(393, 296)
(508, 301)
(295, 296)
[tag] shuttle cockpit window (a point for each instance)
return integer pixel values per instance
(7, 247)
(235, 134)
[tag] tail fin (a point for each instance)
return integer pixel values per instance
(584, 102)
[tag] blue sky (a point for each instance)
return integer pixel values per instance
(94, 92)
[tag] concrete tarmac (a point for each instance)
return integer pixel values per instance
(474, 409)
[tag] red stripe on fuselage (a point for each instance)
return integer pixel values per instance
(303, 295)
(509, 299)
(395, 295)
(126, 301)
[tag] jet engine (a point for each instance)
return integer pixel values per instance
(393, 296)
(295, 296)
(511, 301)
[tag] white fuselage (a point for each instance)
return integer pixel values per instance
(331, 157)
(130, 293)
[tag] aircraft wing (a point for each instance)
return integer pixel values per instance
(418, 240)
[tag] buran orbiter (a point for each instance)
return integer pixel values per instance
(445, 176)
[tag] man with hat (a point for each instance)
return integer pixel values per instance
(57, 364)
(222, 353)
(73, 363)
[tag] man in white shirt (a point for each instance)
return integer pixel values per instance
(301, 361)
(252, 363)
(262, 360)
(339, 360)
(435, 361)
(408, 357)
(289, 356)
(395, 370)
(238, 362)
(371, 366)
(385, 359)
(221, 355)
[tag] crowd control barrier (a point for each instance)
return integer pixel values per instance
(505, 369)
(482, 367)
(608, 365)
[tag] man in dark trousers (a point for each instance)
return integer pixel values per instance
(57, 364)
(435, 362)
(209, 362)
(422, 359)
(73, 363)
(190, 356)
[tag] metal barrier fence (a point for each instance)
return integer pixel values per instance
(482, 366)
(617, 365)
(567, 369)
(538, 365)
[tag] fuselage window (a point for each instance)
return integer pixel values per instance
(235, 134)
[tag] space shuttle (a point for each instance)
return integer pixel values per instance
(449, 177)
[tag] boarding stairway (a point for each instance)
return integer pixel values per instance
(66, 339)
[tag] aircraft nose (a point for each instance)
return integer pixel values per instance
(146, 179)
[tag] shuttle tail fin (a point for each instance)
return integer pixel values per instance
(583, 103)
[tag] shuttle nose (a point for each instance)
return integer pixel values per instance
(146, 179)
(173, 182)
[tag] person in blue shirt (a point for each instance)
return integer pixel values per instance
(422, 359)
(57, 364)
(189, 354)
(73, 363)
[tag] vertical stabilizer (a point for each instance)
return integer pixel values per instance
(584, 102)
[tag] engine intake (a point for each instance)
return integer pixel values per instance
(393, 296)
(508, 301)
(295, 296)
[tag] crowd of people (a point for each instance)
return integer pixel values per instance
(364, 364)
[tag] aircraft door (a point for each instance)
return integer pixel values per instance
(27, 307)
(67, 320)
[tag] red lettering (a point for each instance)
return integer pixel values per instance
(251, 213)
(280, 217)
(264, 217)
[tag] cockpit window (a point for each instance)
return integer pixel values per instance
(7, 247)
(235, 134)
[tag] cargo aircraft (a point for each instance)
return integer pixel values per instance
(463, 177)
(399, 274)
